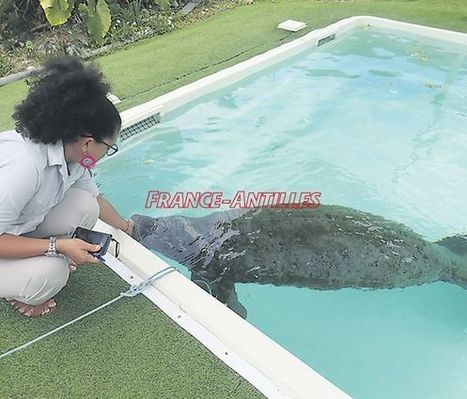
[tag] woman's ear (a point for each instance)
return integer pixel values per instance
(84, 142)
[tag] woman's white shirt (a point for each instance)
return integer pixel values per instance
(33, 178)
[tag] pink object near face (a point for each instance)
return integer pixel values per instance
(88, 162)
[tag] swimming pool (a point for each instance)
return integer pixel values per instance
(375, 120)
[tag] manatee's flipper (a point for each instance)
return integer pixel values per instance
(223, 291)
(201, 282)
(457, 244)
(234, 304)
(143, 225)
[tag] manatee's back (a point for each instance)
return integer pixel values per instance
(327, 247)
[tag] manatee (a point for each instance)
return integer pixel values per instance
(326, 248)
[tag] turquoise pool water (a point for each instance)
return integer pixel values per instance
(376, 120)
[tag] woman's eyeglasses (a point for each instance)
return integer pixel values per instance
(111, 149)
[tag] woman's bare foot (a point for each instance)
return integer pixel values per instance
(34, 310)
(72, 266)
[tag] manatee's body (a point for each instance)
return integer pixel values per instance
(329, 247)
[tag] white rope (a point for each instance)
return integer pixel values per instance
(133, 291)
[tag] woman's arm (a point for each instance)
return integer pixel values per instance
(18, 247)
(12, 246)
(109, 215)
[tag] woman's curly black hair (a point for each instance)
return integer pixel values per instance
(66, 100)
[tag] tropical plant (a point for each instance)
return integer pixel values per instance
(6, 64)
(57, 12)
(6, 5)
(163, 4)
(61, 41)
(95, 13)
(134, 12)
(97, 17)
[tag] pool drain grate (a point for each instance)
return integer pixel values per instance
(140, 126)
(326, 39)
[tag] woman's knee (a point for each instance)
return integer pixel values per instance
(51, 278)
(40, 280)
(78, 208)
(88, 208)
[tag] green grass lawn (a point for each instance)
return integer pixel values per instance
(127, 350)
(131, 349)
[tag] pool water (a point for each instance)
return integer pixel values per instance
(375, 120)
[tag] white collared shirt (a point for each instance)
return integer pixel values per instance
(33, 178)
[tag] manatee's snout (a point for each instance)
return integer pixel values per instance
(143, 226)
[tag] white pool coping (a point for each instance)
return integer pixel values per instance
(264, 363)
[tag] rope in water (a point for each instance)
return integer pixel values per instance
(133, 291)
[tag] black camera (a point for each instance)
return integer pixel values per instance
(94, 237)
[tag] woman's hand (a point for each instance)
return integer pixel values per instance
(129, 227)
(78, 250)
(109, 215)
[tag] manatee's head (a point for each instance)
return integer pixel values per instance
(170, 236)
(143, 226)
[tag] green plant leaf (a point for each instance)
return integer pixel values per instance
(97, 18)
(57, 12)
(164, 4)
(5, 5)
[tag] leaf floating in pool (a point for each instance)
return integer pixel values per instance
(148, 161)
(419, 54)
(433, 85)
